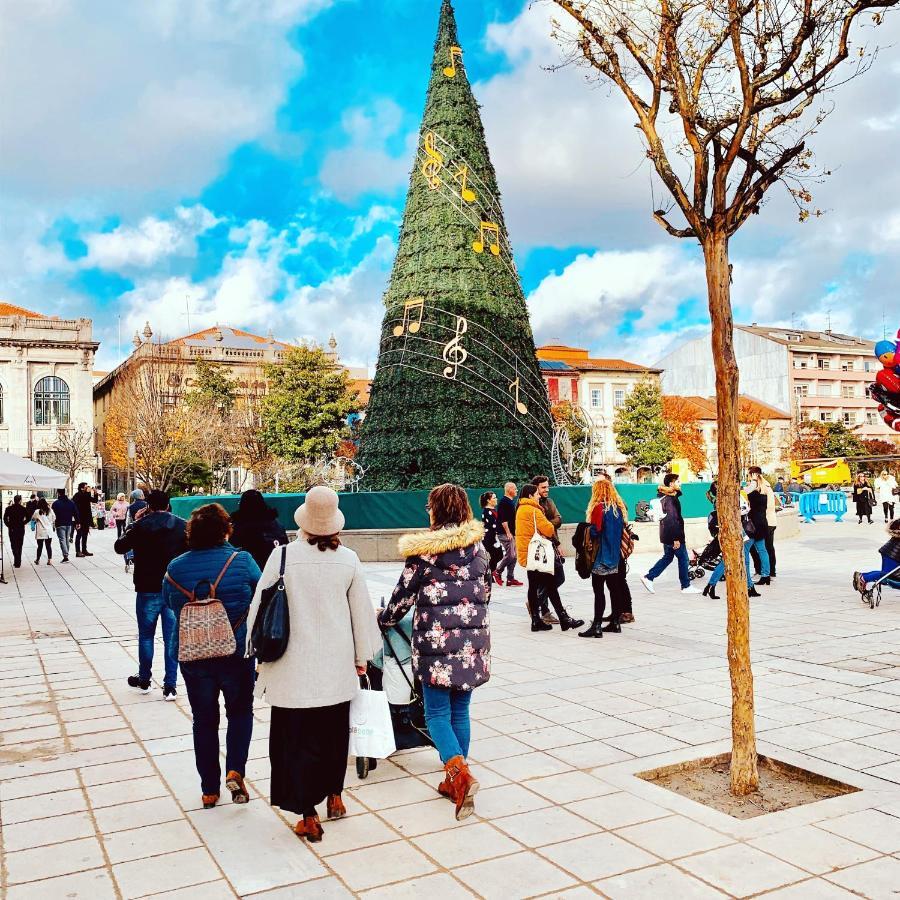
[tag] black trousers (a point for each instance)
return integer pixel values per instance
(16, 539)
(308, 751)
(770, 549)
(543, 585)
(81, 538)
(613, 584)
(496, 554)
(888, 511)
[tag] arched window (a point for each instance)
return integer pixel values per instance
(51, 402)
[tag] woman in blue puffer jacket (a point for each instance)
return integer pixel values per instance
(210, 558)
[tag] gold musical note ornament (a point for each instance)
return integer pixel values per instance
(462, 176)
(418, 303)
(454, 353)
(492, 229)
(521, 408)
(455, 53)
(435, 162)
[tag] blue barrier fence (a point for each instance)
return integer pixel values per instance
(823, 503)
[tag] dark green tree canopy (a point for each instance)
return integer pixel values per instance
(457, 394)
(641, 432)
(212, 387)
(305, 409)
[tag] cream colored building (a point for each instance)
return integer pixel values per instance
(46, 381)
(599, 386)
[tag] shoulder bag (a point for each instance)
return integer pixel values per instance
(204, 630)
(272, 626)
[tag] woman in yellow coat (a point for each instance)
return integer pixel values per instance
(530, 518)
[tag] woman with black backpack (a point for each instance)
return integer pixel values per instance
(256, 527)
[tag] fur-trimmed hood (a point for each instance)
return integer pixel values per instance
(433, 543)
(665, 491)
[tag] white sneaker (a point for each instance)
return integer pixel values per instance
(648, 583)
(691, 590)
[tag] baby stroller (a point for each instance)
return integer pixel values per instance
(392, 672)
(706, 560)
(871, 594)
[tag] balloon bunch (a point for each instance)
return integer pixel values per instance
(886, 390)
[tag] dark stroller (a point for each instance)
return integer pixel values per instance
(709, 556)
(408, 719)
(871, 594)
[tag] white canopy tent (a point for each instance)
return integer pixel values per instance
(17, 474)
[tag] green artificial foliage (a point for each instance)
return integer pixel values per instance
(305, 410)
(422, 427)
(641, 432)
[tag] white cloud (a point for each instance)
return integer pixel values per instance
(111, 100)
(150, 241)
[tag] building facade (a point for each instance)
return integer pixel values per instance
(598, 386)
(812, 375)
(46, 366)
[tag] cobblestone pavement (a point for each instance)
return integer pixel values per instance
(100, 797)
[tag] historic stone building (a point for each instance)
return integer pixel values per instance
(46, 366)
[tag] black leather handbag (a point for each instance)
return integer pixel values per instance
(272, 627)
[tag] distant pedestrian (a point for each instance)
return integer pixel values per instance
(530, 518)
(762, 513)
(66, 515)
(491, 540)
(256, 527)
(672, 537)
(506, 518)
(136, 508)
(16, 517)
(155, 540)
(542, 483)
(31, 505)
(43, 531)
(212, 560)
(84, 500)
(446, 578)
(608, 517)
(333, 635)
(864, 498)
(719, 571)
(886, 493)
(119, 510)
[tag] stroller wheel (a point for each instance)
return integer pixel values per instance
(362, 766)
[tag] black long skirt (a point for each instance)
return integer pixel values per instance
(308, 751)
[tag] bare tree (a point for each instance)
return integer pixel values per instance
(73, 452)
(726, 93)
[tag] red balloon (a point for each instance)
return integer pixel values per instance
(889, 380)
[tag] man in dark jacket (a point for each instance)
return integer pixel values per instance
(15, 518)
(84, 500)
(156, 538)
(65, 517)
(542, 483)
(671, 536)
(506, 519)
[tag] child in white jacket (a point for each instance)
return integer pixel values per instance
(43, 519)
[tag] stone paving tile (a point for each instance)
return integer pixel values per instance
(869, 827)
(150, 840)
(93, 885)
(741, 870)
(617, 810)
(877, 879)
(545, 826)
(320, 889)
(655, 882)
(376, 866)
(813, 849)
(467, 845)
(37, 833)
(673, 837)
(438, 886)
(597, 856)
(163, 873)
(514, 877)
(63, 859)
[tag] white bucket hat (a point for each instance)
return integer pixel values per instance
(319, 515)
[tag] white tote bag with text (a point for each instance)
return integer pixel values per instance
(371, 731)
(541, 555)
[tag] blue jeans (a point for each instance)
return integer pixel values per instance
(760, 546)
(149, 607)
(719, 570)
(233, 677)
(670, 553)
(62, 535)
(447, 718)
(887, 566)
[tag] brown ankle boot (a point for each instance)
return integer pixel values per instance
(336, 808)
(463, 787)
(309, 827)
(444, 788)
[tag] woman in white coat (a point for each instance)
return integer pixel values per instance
(43, 519)
(885, 493)
(333, 634)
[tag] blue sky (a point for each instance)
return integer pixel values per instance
(247, 163)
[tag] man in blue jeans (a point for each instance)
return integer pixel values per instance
(155, 538)
(671, 536)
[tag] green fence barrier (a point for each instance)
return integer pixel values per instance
(406, 509)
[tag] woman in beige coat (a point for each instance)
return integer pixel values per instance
(333, 634)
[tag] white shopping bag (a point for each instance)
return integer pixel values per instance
(371, 731)
(396, 682)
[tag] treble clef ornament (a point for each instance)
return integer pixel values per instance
(454, 353)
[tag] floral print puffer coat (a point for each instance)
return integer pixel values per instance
(446, 576)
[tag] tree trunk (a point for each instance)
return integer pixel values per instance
(744, 772)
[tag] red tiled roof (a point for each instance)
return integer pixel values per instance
(10, 309)
(577, 358)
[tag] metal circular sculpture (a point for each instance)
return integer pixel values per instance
(573, 447)
(340, 473)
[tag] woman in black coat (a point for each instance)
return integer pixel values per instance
(864, 498)
(256, 527)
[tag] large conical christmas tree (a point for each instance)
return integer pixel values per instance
(458, 395)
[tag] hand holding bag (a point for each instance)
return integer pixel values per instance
(272, 626)
(541, 553)
(371, 730)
